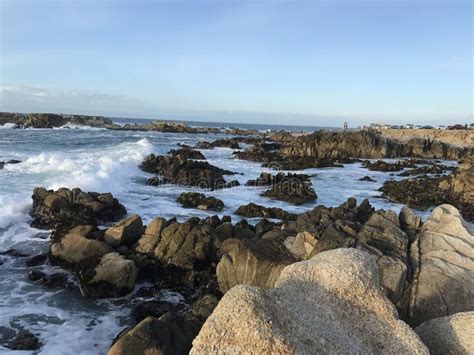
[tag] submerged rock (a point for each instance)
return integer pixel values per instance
(73, 207)
(367, 178)
(11, 161)
(200, 201)
(24, 340)
(57, 279)
(331, 303)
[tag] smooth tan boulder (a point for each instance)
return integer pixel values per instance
(443, 260)
(75, 248)
(332, 303)
(126, 231)
(451, 335)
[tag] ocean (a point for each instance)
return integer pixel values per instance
(107, 161)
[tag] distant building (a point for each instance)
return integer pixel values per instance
(345, 126)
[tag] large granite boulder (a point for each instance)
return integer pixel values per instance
(443, 260)
(255, 262)
(73, 207)
(329, 304)
(451, 335)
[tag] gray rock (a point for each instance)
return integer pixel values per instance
(443, 261)
(127, 231)
(451, 335)
(255, 262)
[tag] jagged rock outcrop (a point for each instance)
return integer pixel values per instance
(200, 201)
(451, 335)
(292, 188)
(101, 271)
(254, 210)
(73, 207)
(232, 143)
(381, 165)
(252, 262)
(51, 120)
(168, 334)
(113, 276)
(423, 192)
(181, 171)
(368, 144)
(187, 153)
(329, 304)
(383, 238)
(435, 169)
(459, 185)
(442, 257)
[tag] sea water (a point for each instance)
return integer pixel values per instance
(107, 161)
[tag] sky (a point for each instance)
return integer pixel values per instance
(281, 62)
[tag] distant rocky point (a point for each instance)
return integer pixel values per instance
(51, 120)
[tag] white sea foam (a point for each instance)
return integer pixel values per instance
(7, 126)
(85, 127)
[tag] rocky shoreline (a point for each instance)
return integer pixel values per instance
(346, 279)
(372, 259)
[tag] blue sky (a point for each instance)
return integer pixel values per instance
(300, 62)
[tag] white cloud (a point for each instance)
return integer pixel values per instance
(20, 98)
